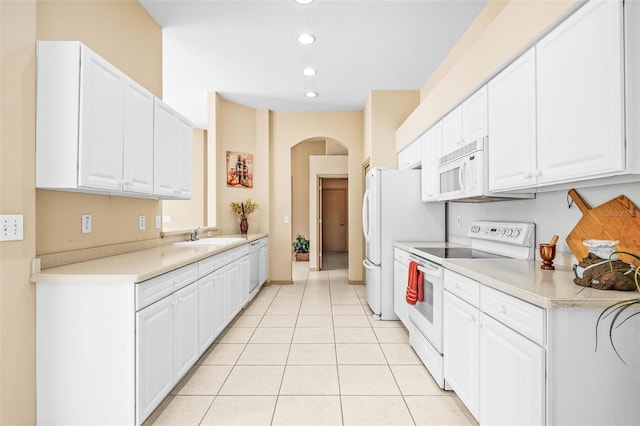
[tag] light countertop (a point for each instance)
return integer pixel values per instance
(136, 266)
(525, 280)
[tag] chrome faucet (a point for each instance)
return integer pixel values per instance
(195, 234)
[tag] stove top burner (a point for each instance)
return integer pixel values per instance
(459, 253)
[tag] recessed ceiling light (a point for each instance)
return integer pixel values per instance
(306, 38)
(311, 94)
(304, 1)
(309, 72)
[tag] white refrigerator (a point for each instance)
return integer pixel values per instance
(392, 210)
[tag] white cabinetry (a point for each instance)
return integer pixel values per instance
(431, 146)
(410, 156)
(512, 125)
(173, 147)
(154, 356)
(400, 277)
(219, 301)
(264, 262)
(497, 372)
(580, 95)
(185, 329)
(206, 309)
(466, 123)
(138, 139)
(244, 270)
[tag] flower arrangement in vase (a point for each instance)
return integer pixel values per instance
(244, 209)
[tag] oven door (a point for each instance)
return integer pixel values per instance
(426, 316)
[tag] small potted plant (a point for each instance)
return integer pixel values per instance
(243, 210)
(301, 248)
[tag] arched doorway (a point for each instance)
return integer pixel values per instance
(312, 160)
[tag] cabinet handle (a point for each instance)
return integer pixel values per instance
(502, 309)
(528, 176)
(472, 318)
(538, 173)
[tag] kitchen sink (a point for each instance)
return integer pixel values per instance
(213, 241)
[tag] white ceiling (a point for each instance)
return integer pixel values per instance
(247, 52)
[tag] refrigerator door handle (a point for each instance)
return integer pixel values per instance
(365, 216)
(368, 264)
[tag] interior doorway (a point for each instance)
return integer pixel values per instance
(333, 217)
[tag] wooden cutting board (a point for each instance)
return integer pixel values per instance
(617, 219)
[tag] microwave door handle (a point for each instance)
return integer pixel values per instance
(365, 215)
(461, 173)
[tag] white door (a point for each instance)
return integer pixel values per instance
(580, 95)
(244, 269)
(451, 131)
(431, 145)
(184, 157)
(512, 377)
(101, 123)
(138, 139)
(264, 270)
(512, 125)
(460, 346)
(154, 356)
(163, 150)
(474, 116)
(400, 275)
(206, 308)
(232, 282)
(185, 326)
(219, 301)
(373, 287)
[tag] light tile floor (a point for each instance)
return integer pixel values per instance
(310, 354)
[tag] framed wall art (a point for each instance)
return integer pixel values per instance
(239, 170)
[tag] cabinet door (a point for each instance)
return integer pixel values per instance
(400, 275)
(232, 280)
(219, 302)
(411, 156)
(154, 356)
(163, 149)
(138, 139)
(474, 116)
(460, 346)
(452, 131)
(185, 327)
(264, 266)
(431, 145)
(101, 123)
(580, 95)
(512, 377)
(184, 157)
(512, 125)
(244, 275)
(206, 326)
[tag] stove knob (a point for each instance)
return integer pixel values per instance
(509, 232)
(475, 229)
(516, 232)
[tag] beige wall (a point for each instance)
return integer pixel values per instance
(501, 32)
(300, 183)
(17, 196)
(188, 214)
(287, 130)
(241, 129)
(384, 113)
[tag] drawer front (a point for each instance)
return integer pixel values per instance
(185, 275)
(232, 255)
(463, 287)
(523, 317)
(210, 264)
(154, 289)
(401, 256)
(243, 250)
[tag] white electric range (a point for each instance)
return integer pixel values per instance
(489, 240)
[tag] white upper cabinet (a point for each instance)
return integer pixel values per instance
(173, 145)
(466, 123)
(580, 96)
(410, 156)
(512, 125)
(95, 128)
(431, 145)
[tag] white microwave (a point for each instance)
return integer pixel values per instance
(464, 176)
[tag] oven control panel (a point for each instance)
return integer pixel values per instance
(518, 233)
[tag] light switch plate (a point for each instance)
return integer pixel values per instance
(11, 227)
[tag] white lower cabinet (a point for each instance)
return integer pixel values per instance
(511, 378)
(130, 343)
(264, 265)
(154, 356)
(400, 276)
(498, 373)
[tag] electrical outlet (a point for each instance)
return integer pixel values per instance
(11, 227)
(141, 223)
(158, 222)
(86, 224)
